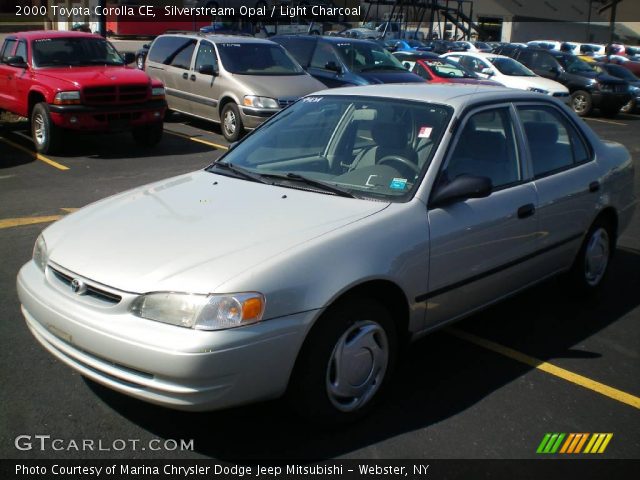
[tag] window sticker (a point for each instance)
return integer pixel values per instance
(398, 184)
(425, 131)
(312, 99)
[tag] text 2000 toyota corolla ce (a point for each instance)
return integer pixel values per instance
(307, 256)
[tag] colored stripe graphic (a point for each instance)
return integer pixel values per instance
(572, 443)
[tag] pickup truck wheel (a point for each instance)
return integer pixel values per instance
(148, 135)
(47, 137)
(231, 122)
(345, 363)
(581, 102)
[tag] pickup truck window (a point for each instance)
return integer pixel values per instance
(7, 48)
(21, 51)
(74, 51)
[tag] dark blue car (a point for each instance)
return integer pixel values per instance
(339, 61)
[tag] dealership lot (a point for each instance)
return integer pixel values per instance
(469, 392)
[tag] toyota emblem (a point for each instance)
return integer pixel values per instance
(78, 286)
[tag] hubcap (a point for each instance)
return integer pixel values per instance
(357, 366)
(579, 103)
(596, 257)
(230, 122)
(39, 131)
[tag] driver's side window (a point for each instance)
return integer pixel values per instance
(323, 55)
(486, 147)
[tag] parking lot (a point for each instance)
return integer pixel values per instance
(490, 387)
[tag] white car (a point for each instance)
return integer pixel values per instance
(508, 72)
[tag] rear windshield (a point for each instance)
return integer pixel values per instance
(257, 59)
(75, 51)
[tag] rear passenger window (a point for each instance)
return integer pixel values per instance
(554, 143)
(175, 51)
(183, 57)
(486, 148)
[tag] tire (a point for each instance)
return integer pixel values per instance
(148, 135)
(355, 341)
(591, 265)
(629, 107)
(231, 122)
(581, 103)
(47, 137)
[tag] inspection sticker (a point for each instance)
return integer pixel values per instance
(425, 132)
(398, 184)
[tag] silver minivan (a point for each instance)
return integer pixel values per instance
(236, 81)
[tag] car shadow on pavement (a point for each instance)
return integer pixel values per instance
(439, 376)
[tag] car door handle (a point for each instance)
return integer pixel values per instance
(526, 210)
(185, 75)
(193, 78)
(594, 186)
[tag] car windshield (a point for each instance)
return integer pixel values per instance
(74, 51)
(448, 69)
(576, 65)
(511, 68)
(257, 59)
(363, 57)
(363, 147)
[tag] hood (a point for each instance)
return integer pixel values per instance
(193, 232)
(279, 86)
(94, 76)
(535, 82)
(392, 76)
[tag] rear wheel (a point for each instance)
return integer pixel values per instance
(148, 135)
(581, 102)
(231, 122)
(346, 362)
(592, 262)
(47, 137)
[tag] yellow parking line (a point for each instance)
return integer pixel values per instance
(575, 378)
(611, 122)
(35, 155)
(19, 222)
(199, 140)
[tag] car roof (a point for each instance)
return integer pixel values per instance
(455, 95)
(218, 38)
(42, 34)
(478, 54)
(331, 39)
(420, 55)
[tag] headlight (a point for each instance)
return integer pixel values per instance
(202, 312)
(40, 256)
(157, 93)
(260, 102)
(67, 98)
(538, 90)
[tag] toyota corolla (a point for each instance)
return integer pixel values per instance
(306, 257)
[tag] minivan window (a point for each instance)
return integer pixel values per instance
(182, 57)
(164, 49)
(206, 55)
(257, 59)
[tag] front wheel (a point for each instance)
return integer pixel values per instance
(148, 135)
(47, 137)
(346, 362)
(581, 103)
(231, 122)
(629, 107)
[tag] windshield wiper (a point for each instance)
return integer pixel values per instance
(239, 171)
(313, 183)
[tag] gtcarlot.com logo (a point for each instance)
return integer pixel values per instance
(573, 443)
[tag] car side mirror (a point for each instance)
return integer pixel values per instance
(17, 62)
(209, 70)
(128, 57)
(334, 67)
(461, 188)
(488, 71)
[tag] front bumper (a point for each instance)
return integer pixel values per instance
(108, 118)
(163, 364)
(254, 117)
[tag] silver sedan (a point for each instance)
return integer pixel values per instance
(306, 257)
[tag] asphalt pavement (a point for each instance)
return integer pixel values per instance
(491, 387)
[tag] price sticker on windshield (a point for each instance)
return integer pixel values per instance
(312, 99)
(425, 131)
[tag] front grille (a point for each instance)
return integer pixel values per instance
(285, 102)
(119, 94)
(560, 94)
(92, 291)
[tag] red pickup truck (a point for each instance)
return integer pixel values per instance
(77, 81)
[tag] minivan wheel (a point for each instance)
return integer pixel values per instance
(346, 362)
(592, 262)
(581, 103)
(231, 122)
(47, 138)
